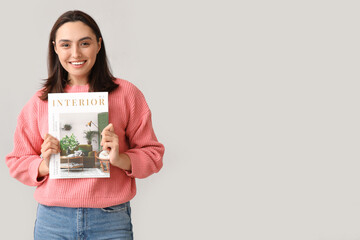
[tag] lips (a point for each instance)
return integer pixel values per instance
(78, 63)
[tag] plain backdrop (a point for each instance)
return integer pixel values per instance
(256, 102)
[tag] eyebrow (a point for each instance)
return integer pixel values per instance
(81, 39)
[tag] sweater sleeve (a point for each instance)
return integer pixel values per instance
(145, 152)
(24, 160)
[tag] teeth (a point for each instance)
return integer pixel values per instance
(78, 63)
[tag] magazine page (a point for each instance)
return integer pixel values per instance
(77, 120)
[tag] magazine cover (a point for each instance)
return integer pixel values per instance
(77, 120)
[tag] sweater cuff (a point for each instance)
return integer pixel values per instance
(134, 166)
(34, 172)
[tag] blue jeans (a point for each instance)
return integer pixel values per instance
(83, 223)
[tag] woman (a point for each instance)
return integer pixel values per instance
(93, 208)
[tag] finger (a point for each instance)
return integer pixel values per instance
(47, 154)
(106, 146)
(110, 138)
(109, 146)
(49, 137)
(107, 133)
(50, 145)
(104, 140)
(50, 140)
(109, 127)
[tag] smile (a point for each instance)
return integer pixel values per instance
(77, 63)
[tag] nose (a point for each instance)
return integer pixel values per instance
(76, 53)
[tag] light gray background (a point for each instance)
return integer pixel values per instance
(255, 101)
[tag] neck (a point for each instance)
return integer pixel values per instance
(78, 81)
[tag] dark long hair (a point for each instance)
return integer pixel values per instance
(100, 78)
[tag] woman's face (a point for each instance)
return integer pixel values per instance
(76, 46)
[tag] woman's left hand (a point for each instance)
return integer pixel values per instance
(110, 142)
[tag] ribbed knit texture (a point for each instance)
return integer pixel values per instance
(131, 117)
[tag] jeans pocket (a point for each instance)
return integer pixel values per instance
(116, 208)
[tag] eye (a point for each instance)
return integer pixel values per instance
(65, 45)
(85, 44)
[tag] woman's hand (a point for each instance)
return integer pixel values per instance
(110, 142)
(50, 146)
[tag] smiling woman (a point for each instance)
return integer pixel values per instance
(77, 63)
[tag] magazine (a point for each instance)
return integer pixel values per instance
(77, 120)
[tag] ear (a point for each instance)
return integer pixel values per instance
(55, 48)
(99, 44)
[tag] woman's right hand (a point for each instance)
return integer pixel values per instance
(50, 146)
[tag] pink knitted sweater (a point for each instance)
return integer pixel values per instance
(131, 117)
